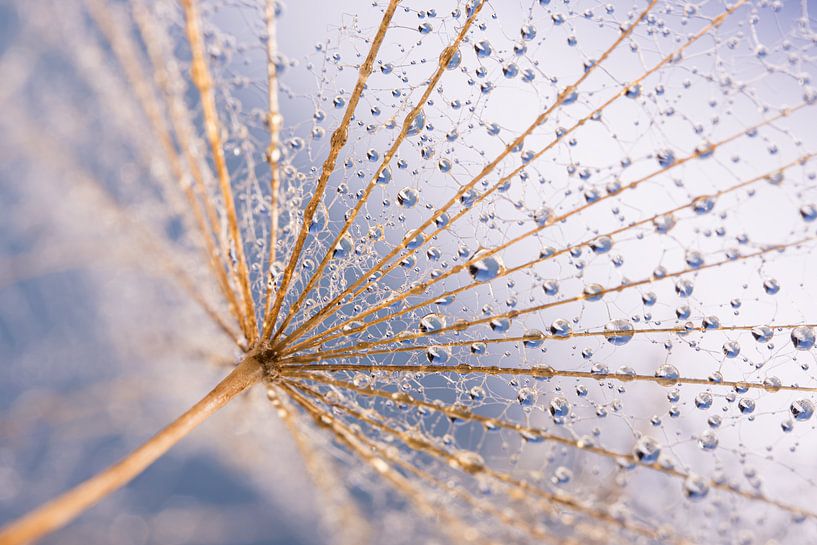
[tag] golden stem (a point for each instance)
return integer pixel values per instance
(541, 433)
(275, 121)
(330, 333)
(63, 509)
(452, 524)
(338, 140)
(445, 57)
(203, 81)
(164, 71)
(419, 444)
(125, 51)
(353, 350)
(332, 306)
(532, 371)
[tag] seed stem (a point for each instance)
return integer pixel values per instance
(63, 509)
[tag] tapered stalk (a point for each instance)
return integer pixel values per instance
(65, 508)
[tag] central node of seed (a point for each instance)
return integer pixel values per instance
(270, 362)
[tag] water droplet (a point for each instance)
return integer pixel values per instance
(684, 287)
(746, 405)
(808, 212)
(708, 440)
(559, 407)
(551, 286)
(455, 60)
(647, 450)
(731, 349)
(487, 268)
(483, 49)
(438, 354)
(593, 292)
(802, 409)
(695, 487)
(500, 325)
(771, 286)
(526, 396)
(542, 216)
(702, 205)
(703, 400)
(562, 475)
(664, 223)
(407, 197)
(344, 247)
(667, 371)
(384, 177)
(432, 322)
(762, 333)
(533, 338)
(416, 124)
(601, 245)
(561, 328)
(528, 32)
(802, 337)
(618, 332)
(665, 157)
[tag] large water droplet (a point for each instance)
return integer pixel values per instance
(618, 332)
(647, 450)
(802, 337)
(431, 322)
(487, 268)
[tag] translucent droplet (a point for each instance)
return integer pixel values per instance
(500, 325)
(384, 177)
(593, 292)
(431, 322)
(731, 349)
(559, 407)
(683, 287)
(802, 337)
(533, 338)
(438, 354)
(561, 328)
(802, 409)
(416, 124)
(703, 400)
(695, 487)
(702, 205)
(746, 405)
(601, 245)
(455, 60)
(487, 268)
(344, 247)
(562, 475)
(528, 32)
(551, 286)
(771, 286)
(320, 220)
(407, 197)
(647, 450)
(708, 440)
(526, 396)
(762, 333)
(664, 223)
(667, 371)
(808, 212)
(476, 393)
(542, 215)
(618, 332)
(665, 157)
(483, 49)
